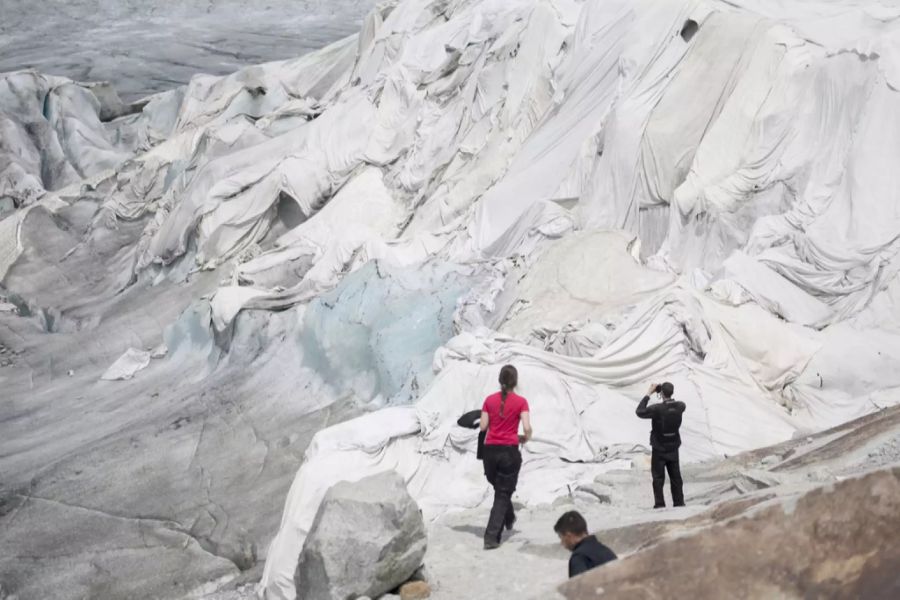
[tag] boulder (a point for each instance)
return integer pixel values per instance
(368, 537)
(833, 542)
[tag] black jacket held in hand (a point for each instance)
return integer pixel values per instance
(666, 417)
(588, 554)
(472, 420)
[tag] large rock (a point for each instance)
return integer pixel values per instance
(367, 538)
(833, 542)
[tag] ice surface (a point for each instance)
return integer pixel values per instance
(153, 45)
(376, 332)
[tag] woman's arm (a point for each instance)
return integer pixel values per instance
(526, 424)
(485, 420)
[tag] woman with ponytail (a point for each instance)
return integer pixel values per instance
(500, 417)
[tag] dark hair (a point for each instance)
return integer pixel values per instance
(509, 378)
(571, 522)
(667, 389)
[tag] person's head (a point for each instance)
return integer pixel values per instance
(667, 390)
(509, 379)
(571, 529)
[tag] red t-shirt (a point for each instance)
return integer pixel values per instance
(504, 431)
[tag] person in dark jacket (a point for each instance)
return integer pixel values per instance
(587, 552)
(665, 440)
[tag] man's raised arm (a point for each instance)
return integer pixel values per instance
(644, 411)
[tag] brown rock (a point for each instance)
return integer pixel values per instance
(833, 542)
(640, 536)
(415, 590)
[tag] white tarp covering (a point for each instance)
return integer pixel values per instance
(719, 128)
(127, 365)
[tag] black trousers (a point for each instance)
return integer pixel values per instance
(501, 467)
(660, 462)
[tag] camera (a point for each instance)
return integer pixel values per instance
(657, 389)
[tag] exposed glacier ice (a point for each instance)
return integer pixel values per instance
(375, 333)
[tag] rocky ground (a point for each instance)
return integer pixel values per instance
(753, 491)
(835, 541)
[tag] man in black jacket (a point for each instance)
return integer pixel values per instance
(587, 552)
(665, 441)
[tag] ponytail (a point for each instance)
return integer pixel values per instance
(509, 378)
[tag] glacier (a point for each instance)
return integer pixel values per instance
(304, 271)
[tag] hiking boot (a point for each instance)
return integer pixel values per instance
(491, 545)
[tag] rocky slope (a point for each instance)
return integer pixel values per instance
(788, 539)
(806, 538)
